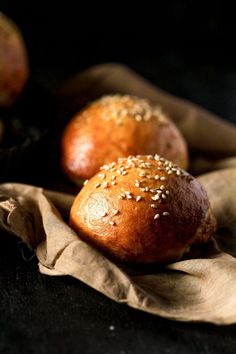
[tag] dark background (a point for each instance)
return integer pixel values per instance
(182, 46)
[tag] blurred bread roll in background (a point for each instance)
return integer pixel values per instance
(118, 126)
(143, 209)
(14, 69)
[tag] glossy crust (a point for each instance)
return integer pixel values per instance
(13, 62)
(144, 210)
(118, 126)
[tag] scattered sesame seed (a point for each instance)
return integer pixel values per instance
(167, 192)
(85, 182)
(113, 178)
(156, 197)
(157, 177)
(152, 190)
(154, 206)
(165, 213)
(101, 175)
(142, 174)
(97, 185)
(105, 184)
(116, 212)
(162, 178)
(169, 172)
(156, 216)
(104, 214)
(162, 187)
(113, 183)
(138, 198)
(112, 223)
(127, 192)
(163, 196)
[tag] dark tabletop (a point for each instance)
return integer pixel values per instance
(190, 56)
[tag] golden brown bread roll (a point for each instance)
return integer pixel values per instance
(13, 62)
(118, 126)
(143, 209)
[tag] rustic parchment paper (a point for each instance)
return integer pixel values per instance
(201, 287)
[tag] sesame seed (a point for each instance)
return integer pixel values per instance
(104, 214)
(146, 189)
(127, 192)
(178, 172)
(123, 195)
(85, 182)
(116, 212)
(167, 192)
(113, 178)
(156, 197)
(137, 184)
(165, 213)
(157, 177)
(113, 183)
(101, 175)
(112, 223)
(162, 178)
(138, 198)
(162, 187)
(152, 190)
(128, 196)
(124, 173)
(169, 172)
(154, 206)
(97, 185)
(138, 118)
(156, 216)
(163, 196)
(105, 184)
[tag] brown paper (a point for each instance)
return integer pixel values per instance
(202, 286)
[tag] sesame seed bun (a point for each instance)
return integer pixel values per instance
(143, 209)
(14, 69)
(118, 126)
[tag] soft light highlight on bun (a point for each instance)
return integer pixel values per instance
(143, 209)
(118, 126)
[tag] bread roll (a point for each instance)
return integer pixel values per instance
(143, 209)
(14, 69)
(118, 126)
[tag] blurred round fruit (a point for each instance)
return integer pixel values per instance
(14, 69)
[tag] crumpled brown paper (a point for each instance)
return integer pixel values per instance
(202, 286)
